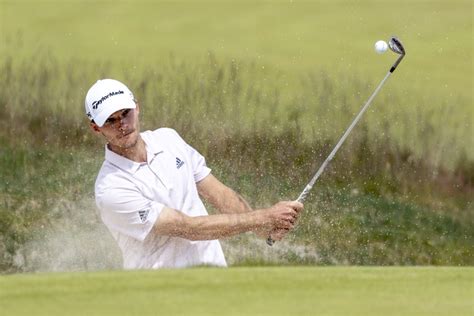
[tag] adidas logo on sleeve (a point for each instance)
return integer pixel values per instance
(143, 215)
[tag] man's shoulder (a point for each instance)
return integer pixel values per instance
(110, 176)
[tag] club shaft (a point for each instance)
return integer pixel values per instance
(311, 183)
(318, 173)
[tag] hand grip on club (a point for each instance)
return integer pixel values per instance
(300, 199)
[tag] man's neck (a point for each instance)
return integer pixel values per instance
(136, 153)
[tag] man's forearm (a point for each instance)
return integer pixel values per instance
(232, 202)
(176, 224)
(221, 225)
(221, 197)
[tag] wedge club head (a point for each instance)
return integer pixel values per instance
(396, 46)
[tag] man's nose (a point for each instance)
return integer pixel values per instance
(123, 123)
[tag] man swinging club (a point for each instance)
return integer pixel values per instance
(150, 186)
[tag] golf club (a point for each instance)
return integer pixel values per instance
(395, 46)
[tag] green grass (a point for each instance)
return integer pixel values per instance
(243, 291)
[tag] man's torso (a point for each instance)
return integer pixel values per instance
(168, 178)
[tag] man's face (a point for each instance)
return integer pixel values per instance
(121, 129)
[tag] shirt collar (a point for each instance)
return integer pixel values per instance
(131, 166)
(153, 146)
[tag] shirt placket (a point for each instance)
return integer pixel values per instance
(149, 165)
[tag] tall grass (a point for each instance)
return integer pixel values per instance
(395, 194)
(42, 102)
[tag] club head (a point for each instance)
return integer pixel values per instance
(396, 46)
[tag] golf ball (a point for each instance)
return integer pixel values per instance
(381, 47)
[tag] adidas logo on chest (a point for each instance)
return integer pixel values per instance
(179, 163)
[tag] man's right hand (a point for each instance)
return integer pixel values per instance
(279, 219)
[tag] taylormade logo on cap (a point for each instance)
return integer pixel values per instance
(106, 97)
(95, 104)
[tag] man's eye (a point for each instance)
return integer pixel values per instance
(125, 113)
(110, 121)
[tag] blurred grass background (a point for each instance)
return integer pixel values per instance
(264, 90)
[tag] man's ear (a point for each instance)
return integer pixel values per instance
(95, 128)
(137, 106)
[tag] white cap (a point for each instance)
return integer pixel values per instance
(106, 97)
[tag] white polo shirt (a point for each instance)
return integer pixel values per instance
(131, 195)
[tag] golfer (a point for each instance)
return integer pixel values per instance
(150, 186)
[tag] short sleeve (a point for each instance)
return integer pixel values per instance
(127, 211)
(198, 162)
(200, 169)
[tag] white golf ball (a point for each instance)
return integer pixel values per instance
(381, 47)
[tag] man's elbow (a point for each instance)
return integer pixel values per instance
(173, 223)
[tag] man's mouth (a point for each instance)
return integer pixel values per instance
(125, 134)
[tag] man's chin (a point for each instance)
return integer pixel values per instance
(130, 144)
(126, 142)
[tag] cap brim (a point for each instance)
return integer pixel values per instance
(109, 109)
